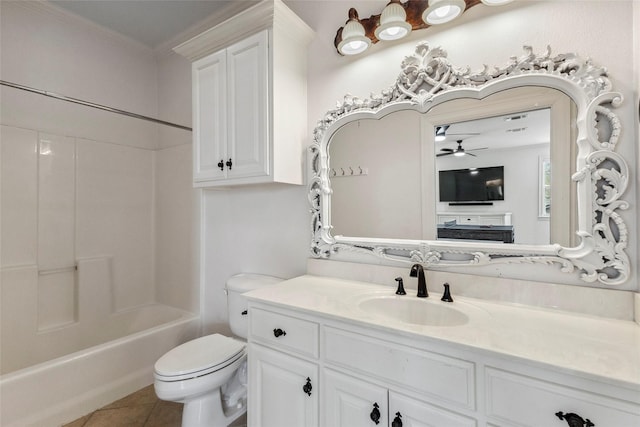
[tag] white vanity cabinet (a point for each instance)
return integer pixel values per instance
(283, 389)
(352, 402)
(523, 398)
(414, 387)
(283, 370)
(364, 372)
(230, 111)
(250, 98)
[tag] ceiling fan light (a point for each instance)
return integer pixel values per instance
(443, 11)
(393, 23)
(458, 153)
(353, 40)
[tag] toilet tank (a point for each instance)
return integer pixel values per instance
(237, 304)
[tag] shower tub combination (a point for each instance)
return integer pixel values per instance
(57, 391)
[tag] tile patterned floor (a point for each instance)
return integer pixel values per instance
(139, 409)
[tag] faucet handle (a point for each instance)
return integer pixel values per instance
(447, 294)
(414, 270)
(400, 290)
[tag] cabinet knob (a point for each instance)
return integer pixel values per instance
(397, 421)
(229, 164)
(221, 165)
(574, 420)
(278, 333)
(245, 312)
(375, 413)
(307, 387)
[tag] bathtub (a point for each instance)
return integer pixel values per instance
(60, 390)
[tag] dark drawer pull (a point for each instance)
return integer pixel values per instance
(375, 413)
(307, 387)
(574, 420)
(397, 421)
(279, 332)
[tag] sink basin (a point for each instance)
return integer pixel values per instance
(413, 310)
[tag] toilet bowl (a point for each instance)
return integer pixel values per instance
(209, 374)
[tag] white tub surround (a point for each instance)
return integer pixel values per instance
(486, 371)
(68, 387)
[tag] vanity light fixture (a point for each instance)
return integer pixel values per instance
(443, 11)
(393, 22)
(354, 40)
(397, 20)
(495, 2)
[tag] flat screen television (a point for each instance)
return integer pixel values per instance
(472, 185)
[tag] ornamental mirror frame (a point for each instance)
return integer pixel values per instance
(427, 79)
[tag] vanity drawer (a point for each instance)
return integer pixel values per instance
(284, 332)
(514, 399)
(440, 378)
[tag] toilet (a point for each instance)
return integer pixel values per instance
(209, 374)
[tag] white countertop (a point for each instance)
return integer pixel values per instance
(606, 348)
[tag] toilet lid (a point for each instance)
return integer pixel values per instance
(201, 354)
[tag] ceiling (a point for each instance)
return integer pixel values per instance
(505, 131)
(150, 22)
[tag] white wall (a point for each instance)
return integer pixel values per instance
(387, 201)
(48, 50)
(636, 73)
(261, 230)
(177, 203)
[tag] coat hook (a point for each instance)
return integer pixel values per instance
(360, 170)
(342, 169)
(351, 169)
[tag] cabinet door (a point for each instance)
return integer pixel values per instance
(408, 412)
(247, 69)
(209, 116)
(283, 390)
(349, 402)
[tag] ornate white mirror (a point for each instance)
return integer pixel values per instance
(451, 168)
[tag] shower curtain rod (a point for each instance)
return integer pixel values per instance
(91, 104)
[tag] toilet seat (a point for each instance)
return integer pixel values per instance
(198, 357)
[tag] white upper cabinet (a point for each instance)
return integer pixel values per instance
(249, 77)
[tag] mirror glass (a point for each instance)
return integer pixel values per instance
(429, 176)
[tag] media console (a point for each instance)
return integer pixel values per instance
(503, 233)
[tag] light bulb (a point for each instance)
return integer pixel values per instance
(442, 11)
(393, 23)
(354, 40)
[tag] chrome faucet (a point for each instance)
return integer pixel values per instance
(418, 271)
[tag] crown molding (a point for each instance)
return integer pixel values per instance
(232, 9)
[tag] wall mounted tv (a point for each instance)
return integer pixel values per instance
(472, 185)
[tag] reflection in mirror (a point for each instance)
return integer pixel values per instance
(490, 184)
(387, 201)
(385, 174)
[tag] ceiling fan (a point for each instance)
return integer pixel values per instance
(458, 151)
